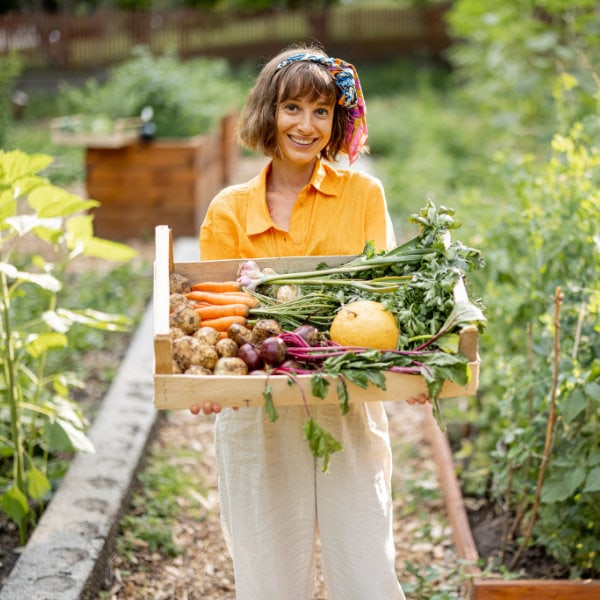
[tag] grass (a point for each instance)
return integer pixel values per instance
(169, 483)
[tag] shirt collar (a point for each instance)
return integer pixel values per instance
(259, 218)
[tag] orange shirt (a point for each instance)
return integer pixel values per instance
(336, 213)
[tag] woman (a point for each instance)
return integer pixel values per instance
(304, 110)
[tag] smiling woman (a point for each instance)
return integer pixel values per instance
(305, 109)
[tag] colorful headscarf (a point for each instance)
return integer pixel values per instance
(350, 96)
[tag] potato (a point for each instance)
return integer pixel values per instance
(176, 300)
(186, 318)
(188, 351)
(226, 347)
(176, 332)
(179, 284)
(175, 368)
(208, 335)
(239, 334)
(198, 370)
(230, 365)
(263, 329)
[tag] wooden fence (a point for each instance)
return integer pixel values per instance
(97, 41)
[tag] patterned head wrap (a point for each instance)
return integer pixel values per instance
(350, 96)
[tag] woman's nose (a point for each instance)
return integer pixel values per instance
(305, 122)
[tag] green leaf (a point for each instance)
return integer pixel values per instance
(16, 165)
(80, 238)
(62, 319)
(319, 386)
(573, 405)
(37, 344)
(37, 484)
(592, 483)
(63, 436)
(51, 201)
(24, 224)
(342, 392)
(44, 280)
(562, 485)
(108, 250)
(592, 389)
(15, 504)
(322, 444)
(269, 405)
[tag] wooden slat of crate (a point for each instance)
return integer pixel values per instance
(176, 391)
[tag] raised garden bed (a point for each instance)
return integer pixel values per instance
(145, 184)
(479, 587)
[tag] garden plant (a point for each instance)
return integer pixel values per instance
(43, 229)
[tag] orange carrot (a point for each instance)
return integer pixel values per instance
(213, 311)
(217, 286)
(223, 323)
(223, 298)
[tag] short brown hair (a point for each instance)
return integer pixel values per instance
(302, 79)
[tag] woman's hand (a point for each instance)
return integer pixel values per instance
(420, 399)
(208, 408)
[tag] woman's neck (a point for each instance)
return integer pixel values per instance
(290, 178)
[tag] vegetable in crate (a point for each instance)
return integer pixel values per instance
(415, 284)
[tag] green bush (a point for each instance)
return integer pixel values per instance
(513, 145)
(188, 98)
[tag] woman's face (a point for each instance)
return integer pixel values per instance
(303, 128)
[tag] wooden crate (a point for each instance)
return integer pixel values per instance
(177, 391)
(146, 184)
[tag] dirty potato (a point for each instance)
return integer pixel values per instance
(226, 347)
(263, 329)
(177, 300)
(239, 334)
(179, 284)
(208, 335)
(186, 318)
(230, 365)
(188, 351)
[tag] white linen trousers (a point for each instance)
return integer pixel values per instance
(275, 498)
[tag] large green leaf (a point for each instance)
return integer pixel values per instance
(51, 201)
(592, 483)
(14, 504)
(562, 485)
(37, 344)
(44, 280)
(81, 240)
(63, 436)
(17, 165)
(90, 318)
(37, 484)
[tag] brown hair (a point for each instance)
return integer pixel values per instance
(302, 79)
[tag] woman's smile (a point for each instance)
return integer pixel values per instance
(303, 128)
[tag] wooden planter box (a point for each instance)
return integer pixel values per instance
(479, 588)
(176, 391)
(146, 184)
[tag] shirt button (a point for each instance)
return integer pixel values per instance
(297, 240)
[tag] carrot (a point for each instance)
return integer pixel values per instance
(223, 323)
(223, 298)
(212, 311)
(217, 286)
